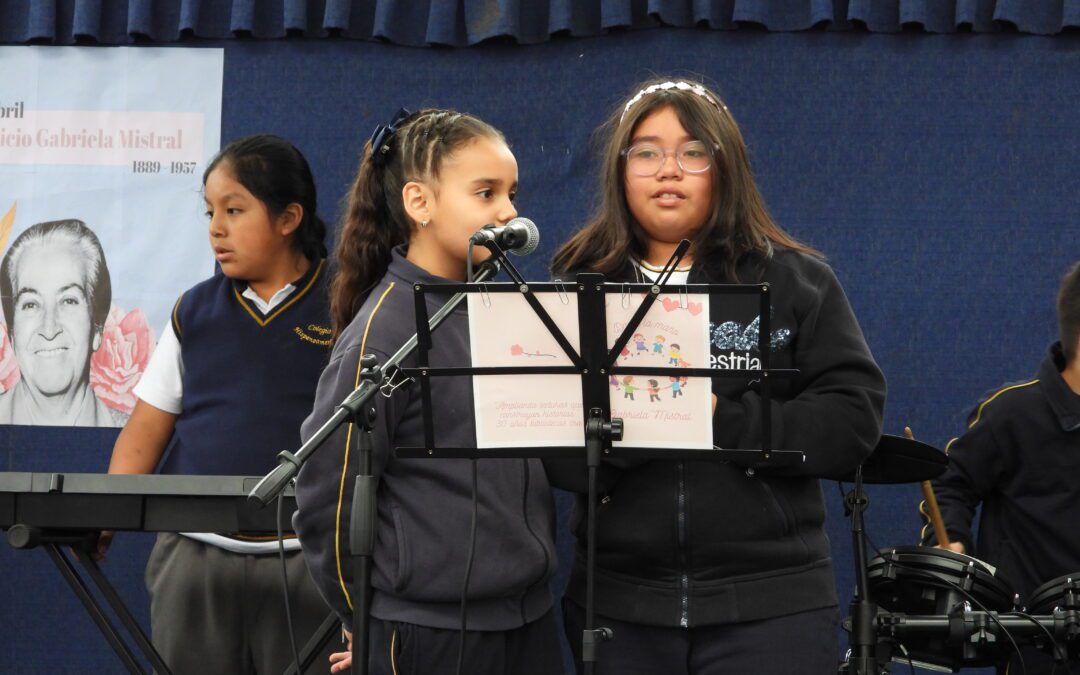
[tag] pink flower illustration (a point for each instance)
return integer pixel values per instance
(518, 350)
(9, 367)
(119, 362)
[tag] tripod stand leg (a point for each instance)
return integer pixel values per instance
(327, 630)
(121, 611)
(67, 570)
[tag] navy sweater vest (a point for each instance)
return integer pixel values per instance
(249, 378)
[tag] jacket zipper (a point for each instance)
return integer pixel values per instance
(528, 526)
(684, 578)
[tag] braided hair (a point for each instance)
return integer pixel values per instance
(375, 220)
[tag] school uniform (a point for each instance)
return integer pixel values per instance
(704, 567)
(1017, 460)
(424, 509)
(240, 373)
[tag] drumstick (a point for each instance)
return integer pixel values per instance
(932, 505)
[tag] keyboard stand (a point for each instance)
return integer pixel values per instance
(56, 544)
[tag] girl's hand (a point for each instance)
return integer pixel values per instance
(104, 540)
(714, 404)
(342, 661)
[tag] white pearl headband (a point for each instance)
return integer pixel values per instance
(664, 86)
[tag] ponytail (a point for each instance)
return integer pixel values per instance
(369, 233)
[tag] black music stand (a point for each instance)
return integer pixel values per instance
(594, 365)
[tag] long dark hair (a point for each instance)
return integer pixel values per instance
(277, 174)
(739, 223)
(375, 220)
(1068, 306)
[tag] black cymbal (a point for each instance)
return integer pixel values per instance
(896, 459)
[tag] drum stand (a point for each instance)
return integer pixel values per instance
(947, 632)
(862, 656)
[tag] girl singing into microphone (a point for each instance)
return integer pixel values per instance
(705, 567)
(426, 182)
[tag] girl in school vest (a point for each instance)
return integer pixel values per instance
(226, 389)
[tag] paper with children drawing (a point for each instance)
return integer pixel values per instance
(658, 411)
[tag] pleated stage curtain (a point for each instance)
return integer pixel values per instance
(461, 23)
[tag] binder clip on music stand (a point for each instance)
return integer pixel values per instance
(594, 364)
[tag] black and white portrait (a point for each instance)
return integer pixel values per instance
(56, 295)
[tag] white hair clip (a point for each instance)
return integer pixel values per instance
(664, 86)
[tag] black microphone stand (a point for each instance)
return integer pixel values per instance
(363, 512)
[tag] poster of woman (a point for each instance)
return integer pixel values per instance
(101, 158)
(56, 296)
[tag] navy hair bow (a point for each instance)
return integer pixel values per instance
(381, 137)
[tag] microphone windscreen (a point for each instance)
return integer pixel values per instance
(532, 241)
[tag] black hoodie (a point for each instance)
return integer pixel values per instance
(424, 505)
(1018, 458)
(687, 543)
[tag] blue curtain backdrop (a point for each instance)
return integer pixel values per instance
(938, 172)
(468, 22)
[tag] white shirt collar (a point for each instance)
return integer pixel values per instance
(679, 276)
(275, 299)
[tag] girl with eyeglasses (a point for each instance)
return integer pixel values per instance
(705, 567)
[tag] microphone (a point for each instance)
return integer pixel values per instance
(520, 236)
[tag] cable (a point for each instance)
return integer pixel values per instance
(468, 570)
(285, 582)
(970, 598)
(907, 655)
(957, 588)
(1058, 649)
(961, 591)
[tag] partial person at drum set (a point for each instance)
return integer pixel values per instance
(1018, 459)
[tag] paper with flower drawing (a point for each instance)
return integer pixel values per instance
(115, 140)
(659, 411)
